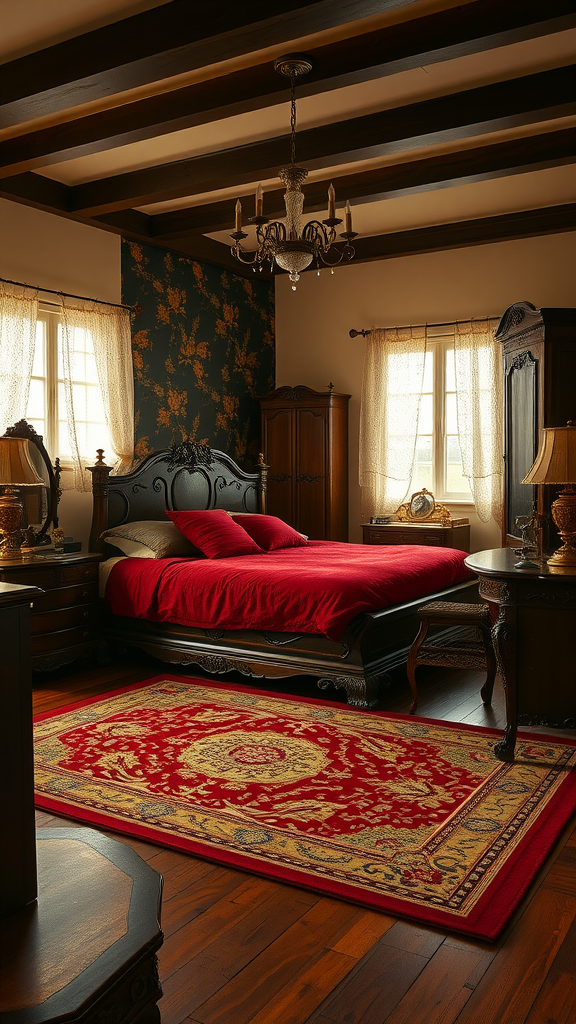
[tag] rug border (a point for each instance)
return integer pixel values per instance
(494, 909)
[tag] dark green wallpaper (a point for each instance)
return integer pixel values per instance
(203, 348)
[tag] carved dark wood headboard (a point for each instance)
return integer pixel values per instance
(156, 485)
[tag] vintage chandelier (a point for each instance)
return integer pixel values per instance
(291, 245)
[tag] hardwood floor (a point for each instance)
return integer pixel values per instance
(239, 949)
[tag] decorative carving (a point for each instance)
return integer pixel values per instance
(513, 316)
(305, 478)
(361, 691)
(214, 663)
(281, 640)
(189, 454)
(297, 394)
(493, 590)
(551, 595)
(280, 478)
(520, 361)
(213, 634)
(133, 997)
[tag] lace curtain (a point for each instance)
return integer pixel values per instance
(18, 315)
(109, 329)
(390, 403)
(479, 403)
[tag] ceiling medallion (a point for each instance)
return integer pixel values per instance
(290, 245)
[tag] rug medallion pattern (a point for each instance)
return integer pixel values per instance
(375, 807)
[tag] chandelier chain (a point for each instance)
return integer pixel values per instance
(293, 119)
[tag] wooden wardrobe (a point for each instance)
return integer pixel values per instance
(539, 348)
(305, 443)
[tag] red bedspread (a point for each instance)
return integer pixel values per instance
(314, 589)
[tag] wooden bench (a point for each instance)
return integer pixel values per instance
(465, 642)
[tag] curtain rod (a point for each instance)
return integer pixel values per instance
(68, 295)
(406, 327)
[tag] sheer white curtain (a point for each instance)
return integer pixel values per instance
(109, 330)
(479, 403)
(18, 316)
(390, 403)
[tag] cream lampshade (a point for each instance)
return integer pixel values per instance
(556, 464)
(16, 470)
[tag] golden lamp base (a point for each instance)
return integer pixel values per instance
(564, 515)
(10, 519)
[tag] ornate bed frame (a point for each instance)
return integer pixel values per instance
(372, 644)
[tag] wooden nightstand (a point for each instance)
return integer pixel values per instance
(454, 536)
(64, 623)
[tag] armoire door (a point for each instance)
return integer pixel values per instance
(310, 491)
(278, 441)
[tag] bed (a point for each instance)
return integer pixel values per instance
(356, 659)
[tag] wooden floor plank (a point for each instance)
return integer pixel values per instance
(372, 989)
(278, 965)
(556, 1000)
(442, 989)
(516, 974)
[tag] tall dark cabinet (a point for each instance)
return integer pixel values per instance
(305, 443)
(539, 348)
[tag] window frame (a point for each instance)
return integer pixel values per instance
(50, 315)
(439, 341)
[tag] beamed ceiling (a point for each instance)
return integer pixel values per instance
(445, 124)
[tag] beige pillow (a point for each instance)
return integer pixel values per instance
(161, 539)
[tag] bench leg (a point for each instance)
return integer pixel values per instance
(411, 664)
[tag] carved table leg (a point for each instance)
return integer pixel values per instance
(503, 634)
(488, 688)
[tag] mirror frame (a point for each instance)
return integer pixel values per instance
(437, 513)
(26, 430)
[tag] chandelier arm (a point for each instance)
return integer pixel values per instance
(346, 253)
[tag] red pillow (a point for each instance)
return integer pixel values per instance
(270, 532)
(215, 533)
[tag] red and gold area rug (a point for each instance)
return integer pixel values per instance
(411, 816)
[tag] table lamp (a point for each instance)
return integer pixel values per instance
(16, 471)
(556, 464)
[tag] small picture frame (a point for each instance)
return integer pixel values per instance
(380, 520)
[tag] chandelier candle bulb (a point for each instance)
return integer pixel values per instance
(238, 211)
(259, 201)
(331, 202)
(348, 216)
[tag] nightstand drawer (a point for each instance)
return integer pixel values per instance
(64, 597)
(62, 639)
(64, 618)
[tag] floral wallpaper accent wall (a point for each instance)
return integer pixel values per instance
(203, 349)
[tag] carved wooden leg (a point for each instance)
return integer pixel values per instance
(488, 688)
(361, 691)
(503, 635)
(411, 663)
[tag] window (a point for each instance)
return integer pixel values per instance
(46, 409)
(438, 462)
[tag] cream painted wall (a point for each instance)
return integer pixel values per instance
(38, 248)
(312, 323)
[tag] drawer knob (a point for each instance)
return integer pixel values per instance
(86, 634)
(86, 593)
(86, 615)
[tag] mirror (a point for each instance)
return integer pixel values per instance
(40, 503)
(422, 504)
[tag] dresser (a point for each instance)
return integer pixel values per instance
(305, 444)
(433, 534)
(64, 621)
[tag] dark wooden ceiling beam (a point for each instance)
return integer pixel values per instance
(467, 114)
(504, 228)
(173, 39)
(482, 25)
(516, 156)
